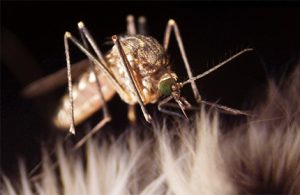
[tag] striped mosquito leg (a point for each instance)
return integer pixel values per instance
(70, 87)
(129, 72)
(131, 30)
(173, 26)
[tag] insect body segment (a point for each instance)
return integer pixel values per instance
(86, 99)
(165, 84)
(148, 62)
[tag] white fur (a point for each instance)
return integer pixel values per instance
(261, 156)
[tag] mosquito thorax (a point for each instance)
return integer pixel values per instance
(165, 84)
(148, 60)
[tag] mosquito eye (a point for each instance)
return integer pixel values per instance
(165, 86)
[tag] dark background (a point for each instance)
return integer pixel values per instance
(32, 47)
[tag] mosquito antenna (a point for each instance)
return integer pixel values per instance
(216, 67)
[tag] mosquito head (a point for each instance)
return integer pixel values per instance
(168, 86)
(166, 82)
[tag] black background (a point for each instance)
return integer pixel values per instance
(208, 31)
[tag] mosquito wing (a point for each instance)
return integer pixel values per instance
(86, 99)
(55, 80)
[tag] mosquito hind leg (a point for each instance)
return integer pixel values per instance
(85, 36)
(83, 140)
(70, 87)
(172, 26)
(72, 126)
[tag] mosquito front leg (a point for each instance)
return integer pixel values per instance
(132, 81)
(173, 26)
(191, 80)
(220, 107)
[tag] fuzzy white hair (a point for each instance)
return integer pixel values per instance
(261, 156)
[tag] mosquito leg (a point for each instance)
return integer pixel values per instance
(163, 103)
(131, 30)
(103, 68)
(84, 34)
(70, 87)
(142, 25)
(92, 132)
(173, 26)
(133, 82)
(226, 109)
(131, 114)
(216, 66)
(98, 64)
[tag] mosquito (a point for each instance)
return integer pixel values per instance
(137, 68)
